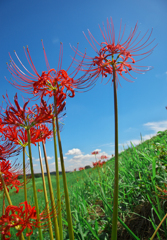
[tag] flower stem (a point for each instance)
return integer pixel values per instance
(33, 183)
(67, 200)
(5, 190)
(57, 181)
(158, 227)
(115, 207)
(25, 185)
(8, 198)
(51, 194)
(24, 172)
(45, 194)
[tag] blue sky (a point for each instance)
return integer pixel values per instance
(89, 122)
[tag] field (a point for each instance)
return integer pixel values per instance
(142, 199)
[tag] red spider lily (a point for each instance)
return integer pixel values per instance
(39, 190)
(10, 173)
(110, 54)
(98, 164)
(103, 157)
(95, 152)
(81, 168)
(42, 84)
(8, 149)
(74, 169)
(26, 118)
(20, 217)
(19, 136)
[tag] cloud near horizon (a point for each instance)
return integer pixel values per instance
(49, 158)
(74, 151)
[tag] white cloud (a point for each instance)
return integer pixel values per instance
(157, 126)
(87, 159)
(29, 159)
(49, 158)
(97, 150)
(74, 151)
(37, 160)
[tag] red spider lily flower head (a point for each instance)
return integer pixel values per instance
(7, 150)
(95, 152)
(98, 164)
(74, 169)
(19, 135)
(81, 168)
(111, 54)
(27, 118)
(10, 172)
(103, 157)
(20, 217)
(39, 190)
(95, 164)
(45, 83)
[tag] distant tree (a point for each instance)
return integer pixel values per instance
(20, 177)
(86, 167)
(38, 175)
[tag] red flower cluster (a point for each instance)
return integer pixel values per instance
(46, 83)
(19, 135)
(26, 118)
(20, 217)
(98, 164)
(10, 173)
(8, 149)
(95, 152)
(120, 56)
(81, 168)
(39, 190)
(103, 157)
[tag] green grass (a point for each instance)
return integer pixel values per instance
(91, 195)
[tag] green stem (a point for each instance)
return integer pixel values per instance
(115, 207)
(45, 194)
(5, 190)
(158, 227)
(51, 194)
(57, 181)
(98, 170)
(67, 200)
(33, 183)
(24, 172)
(25, 184)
